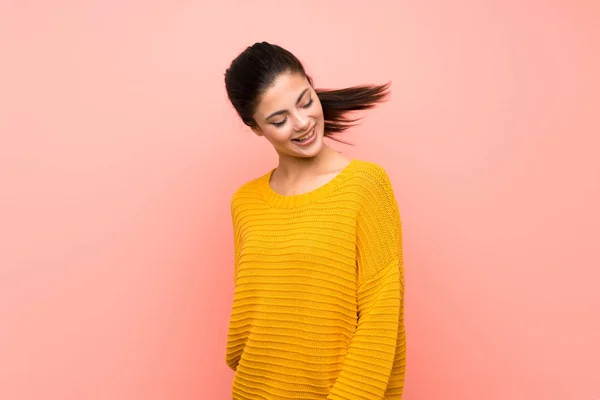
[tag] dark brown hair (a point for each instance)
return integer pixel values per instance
(253, 71)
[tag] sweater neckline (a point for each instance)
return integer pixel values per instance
(297, 200)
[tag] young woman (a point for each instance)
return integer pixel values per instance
(319, 280)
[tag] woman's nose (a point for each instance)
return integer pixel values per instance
(302, 123)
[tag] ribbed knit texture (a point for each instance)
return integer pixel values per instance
(319, 290)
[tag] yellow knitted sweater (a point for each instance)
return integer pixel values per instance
(319, 290)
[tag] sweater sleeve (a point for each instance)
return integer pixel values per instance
(370, 358)
(236, 235)
(232, 354)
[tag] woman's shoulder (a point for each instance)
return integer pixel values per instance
(250, 188)
(374, 188)
(371, 173)
(373, 183)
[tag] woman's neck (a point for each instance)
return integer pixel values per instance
(296, 168)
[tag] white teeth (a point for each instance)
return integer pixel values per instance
(309, 134)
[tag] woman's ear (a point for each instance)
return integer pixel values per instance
(257, 131)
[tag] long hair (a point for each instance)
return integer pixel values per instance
(256, 68)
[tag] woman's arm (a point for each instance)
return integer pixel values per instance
(368, 364)
(233, 350)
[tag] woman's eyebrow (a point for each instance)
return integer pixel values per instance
(283, 111)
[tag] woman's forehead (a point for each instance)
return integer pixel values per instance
(283, 93)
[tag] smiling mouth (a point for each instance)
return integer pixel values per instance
(306, 137)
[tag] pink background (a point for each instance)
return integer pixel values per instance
(119, 154)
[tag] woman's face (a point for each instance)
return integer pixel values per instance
(289, 115)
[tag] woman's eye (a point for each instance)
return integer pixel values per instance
(309, 103)
(278, 124)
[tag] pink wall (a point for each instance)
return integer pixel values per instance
(119, 154)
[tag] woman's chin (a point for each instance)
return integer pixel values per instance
(310, 151)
